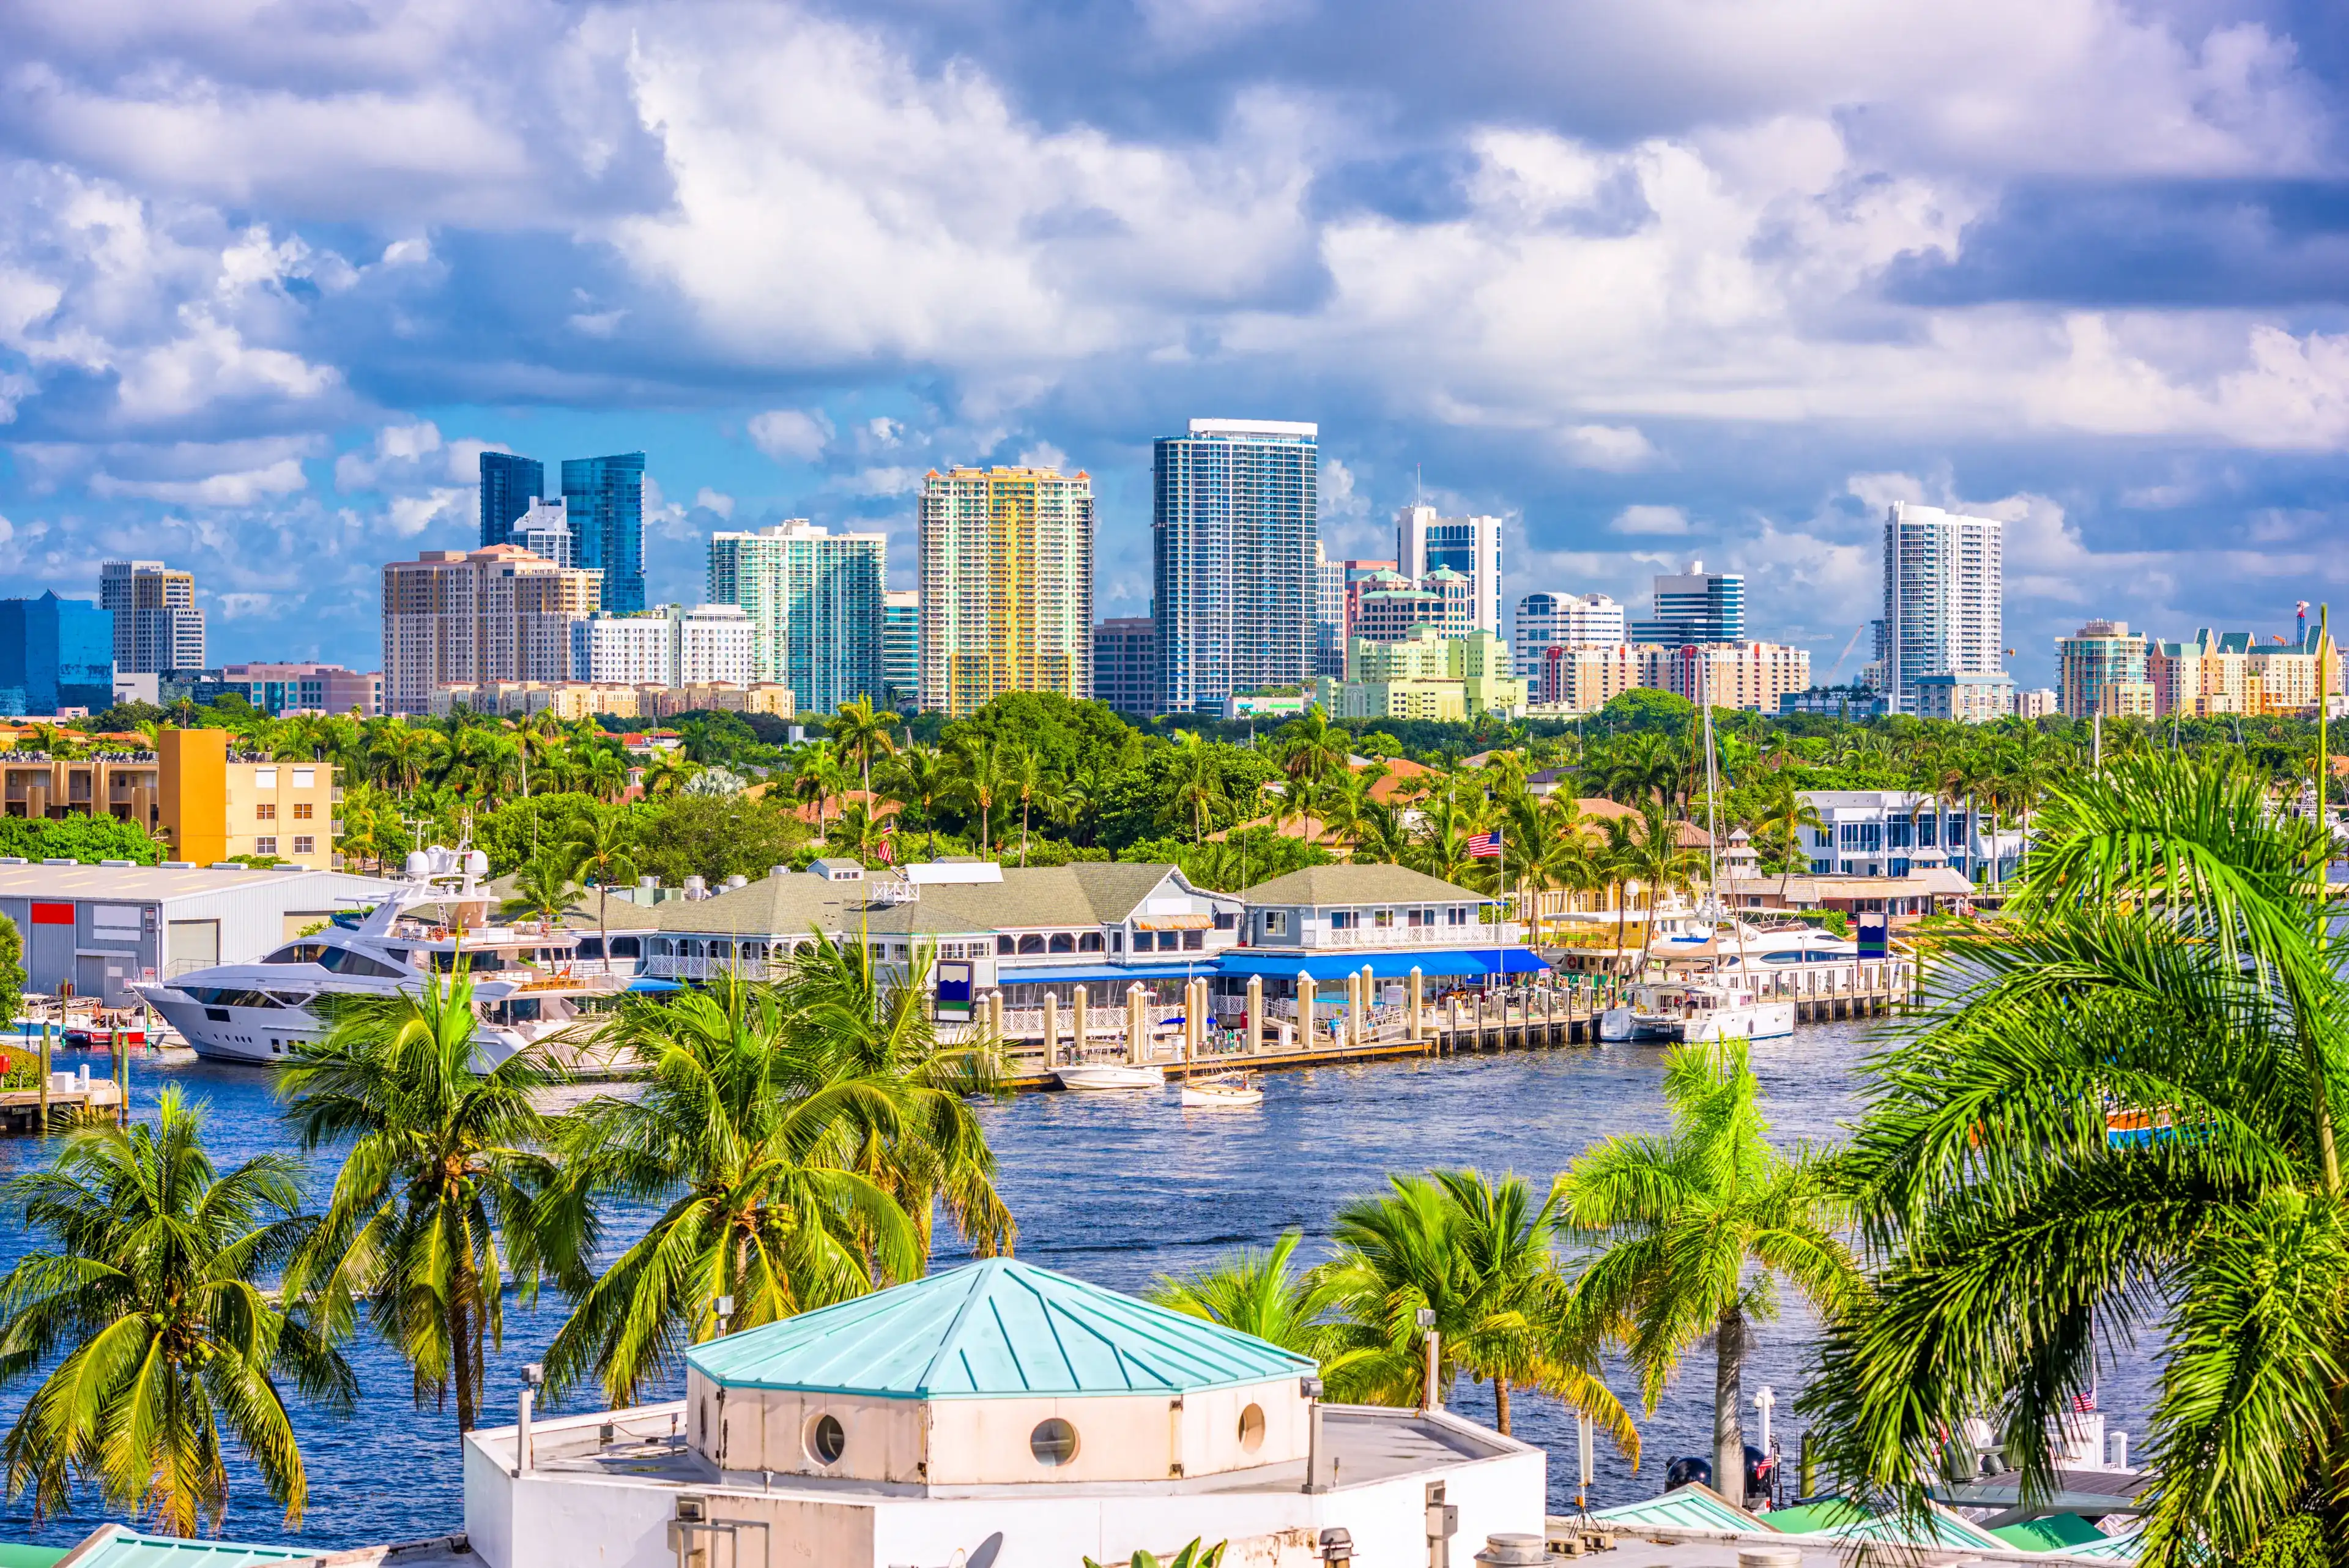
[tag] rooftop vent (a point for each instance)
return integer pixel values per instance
(837, 870)
(67, 860)
(733, 882)
(179, 866)
(117, 863)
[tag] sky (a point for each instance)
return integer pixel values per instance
(1655, 281)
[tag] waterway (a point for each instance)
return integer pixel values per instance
(1120, 1190)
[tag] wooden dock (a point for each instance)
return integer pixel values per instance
(21, 1109)
(1530, 1021)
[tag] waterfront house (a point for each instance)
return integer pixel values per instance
(1329, 922)
(1105, 924)
(998, 1414)
(1889, 832)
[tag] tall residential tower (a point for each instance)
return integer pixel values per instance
(1007, 584)
(605, 497)
(1943, 590)
(510, 483)
(1233, 525)
(814, 599)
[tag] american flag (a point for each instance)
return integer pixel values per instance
(889, 845)
(1484, 846)
(2085, 1403)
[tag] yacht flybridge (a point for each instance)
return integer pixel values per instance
(528, 982)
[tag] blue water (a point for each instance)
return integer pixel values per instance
(1117, 1190)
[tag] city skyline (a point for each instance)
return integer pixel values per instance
(1641, 290)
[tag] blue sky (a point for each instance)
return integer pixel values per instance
(1655, 280)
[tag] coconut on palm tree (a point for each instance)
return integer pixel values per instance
(1696, 1229)
(433, 1212)
(168, 1353)
(1476, 1253)
(2123, 1110)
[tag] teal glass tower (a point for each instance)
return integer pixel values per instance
(605, 498)
(509, 485)
(55, 653)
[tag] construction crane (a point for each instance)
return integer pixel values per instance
(1847, 647)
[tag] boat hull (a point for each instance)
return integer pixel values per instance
(1098, 1078)
(1615, 1023)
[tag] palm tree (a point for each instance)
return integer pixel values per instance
(671, 770)
(1477, 1254)
(1261, 1294)
(603, 850)
(1024, 774)
(2170, 963)
(1684, 1217)
(1197, 782)
(753, 1156)
(1661, 864)
(542, 887)
(978, 769)
(1618, 858)
(1784, 810)
(919, 780)
(861, 733)
(172, 1344)
(1313, 748)
(432, 1212)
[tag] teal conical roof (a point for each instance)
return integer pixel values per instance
(995, 1327)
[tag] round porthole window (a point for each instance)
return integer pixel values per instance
(826, 1441)
(1053, 1442)
(1252, 1429)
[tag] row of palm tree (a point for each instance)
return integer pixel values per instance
(801, 1136)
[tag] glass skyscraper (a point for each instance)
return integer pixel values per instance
(901, 645)
(1694, 607)
(509, 485)
(55, 653)
(606, 499)
(815, 602)
(1233, 524)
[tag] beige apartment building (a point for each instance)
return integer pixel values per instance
(1007, 585)
(582, 700)
(1752, 675)
(454, 618)
(2221, 673)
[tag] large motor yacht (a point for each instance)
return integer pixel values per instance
(1732, 981)
(528, 982)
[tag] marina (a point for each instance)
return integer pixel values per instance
(1118, 1189)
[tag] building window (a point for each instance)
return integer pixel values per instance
(1194, 942)
(1005, 945)
(1458, 915)
(305, 846)
(265, 812)
(1275, 922)
(264, 846)
(265, 778)
(1343, 920)
(1090, 942)
(305, 778)
(303, 811)
(1381, 919)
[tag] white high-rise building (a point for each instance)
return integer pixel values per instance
(1562, 620)
(544, 530)
(1944, 583)
(157, 626)
(1328, 615)
(1468, 546)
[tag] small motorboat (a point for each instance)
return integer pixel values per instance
(1100, 1076)
(1224, 1089)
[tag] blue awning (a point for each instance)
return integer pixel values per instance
(1472, 963)
(647, 983)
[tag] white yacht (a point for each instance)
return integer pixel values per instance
(528, 982)
(1696, 1009)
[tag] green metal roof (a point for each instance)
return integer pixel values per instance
(112, 1546)
(2125, 1547)
(1811, 1517)
(14, 1555)
(2056, 1532)
(1692, 1507)
(1943, 1529)
(995, 1327)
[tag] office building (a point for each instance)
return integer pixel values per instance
(1361, 577)
(2101, 654)
(901, 648)
(56, 655)
(1444, 600)
(1425, 675)
(1330, 626)
(814, 600)
(1125, 665)
(545, 532)
(1545, 621)
(1471, 546)
(2038, 703)
(1233, 526)
(1943, 585)
(1007, 585)
(281, 689)
(453, 617)
(1694, 607)
(157, 626)
(509, 486)
(1583, 679)
(604, 500)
